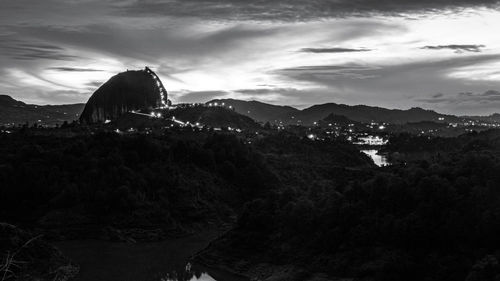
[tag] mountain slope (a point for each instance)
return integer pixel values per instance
(495, 118)
(214, 117)
(259, 111)
(366, 114)
(361, 113)
(14, 112)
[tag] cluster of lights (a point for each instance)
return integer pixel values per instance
(218, 104)
(155, 114)
(372, 140)
(160, 86)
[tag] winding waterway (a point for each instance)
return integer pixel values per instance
(151, 261)
(379, 160)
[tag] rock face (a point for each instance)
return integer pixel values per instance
(124, 92)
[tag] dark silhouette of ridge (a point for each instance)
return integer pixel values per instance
(366, 114)
(215, 117)
(337, 119)
(259, 111)
(495, 117)
(8, 101)
(361, 113)
(16, 112)
(131, 98)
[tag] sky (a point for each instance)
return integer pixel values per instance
(442, 54)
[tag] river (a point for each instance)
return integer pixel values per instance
(147, 261)
(380, 160)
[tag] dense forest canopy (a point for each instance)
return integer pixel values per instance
(134, 180)
(436, 218)
(320, 205)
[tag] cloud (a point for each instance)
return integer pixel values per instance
(292, 10)
(332, 50)
(398, 84)
(266, 91)
(332, 74)
(14, 49)
(325, 73)
(150, 44)
(230, 48)
(74, 69)
(456, 48)
(274, 95)
(196, 96)
(94, 84)
(469, 98)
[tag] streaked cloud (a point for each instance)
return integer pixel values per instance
(74, 69)
(32, 51)
(197, 96)
(292, 10)
(457, 48)
(332, 50)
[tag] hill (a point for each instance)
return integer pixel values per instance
(259, 111)
(13, 112)
(361, 113)
(337, 119)
(215, 117)
(495, 118)
(366, 114)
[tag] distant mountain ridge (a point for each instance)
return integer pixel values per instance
(13, 111)
(361, 113)
(495, 117)
(16, 112)
(7, 101)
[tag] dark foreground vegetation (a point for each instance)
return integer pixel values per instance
(106, 183)
(28, 257)
(437, 218)
(302, 206)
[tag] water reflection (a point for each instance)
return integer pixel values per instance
(189, 273)
(150, 261)
(379, 160)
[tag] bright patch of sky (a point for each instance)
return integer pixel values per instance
(61, 51)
